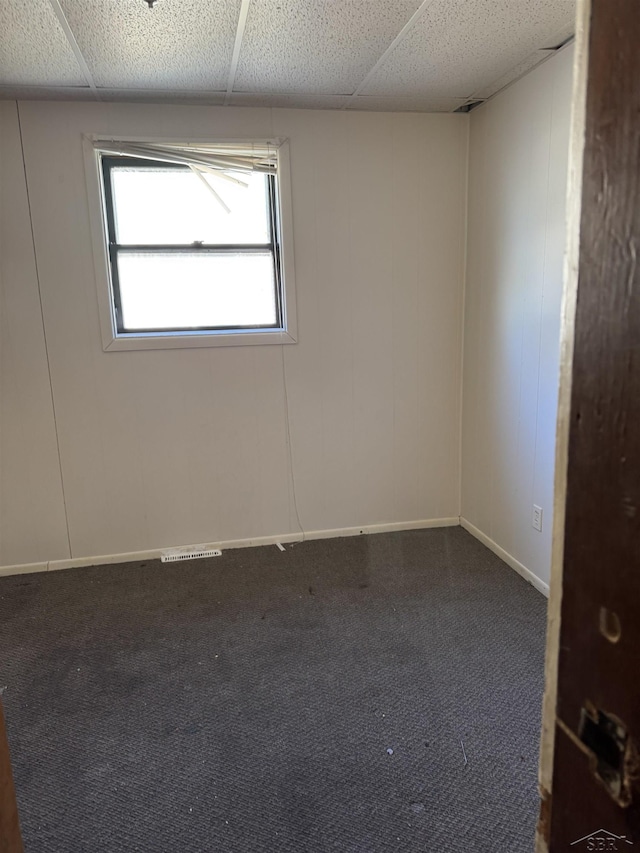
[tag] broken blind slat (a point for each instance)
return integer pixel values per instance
(243, 157)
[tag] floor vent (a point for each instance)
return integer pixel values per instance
(173, 555)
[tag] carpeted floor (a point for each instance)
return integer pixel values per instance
(297, 702)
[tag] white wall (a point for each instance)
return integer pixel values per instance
(518, 156)
(169, 447)
(32, 517)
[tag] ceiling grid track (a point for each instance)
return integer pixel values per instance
(413, 20)
(237, 46)
(73, 44)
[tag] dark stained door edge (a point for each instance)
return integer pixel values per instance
(10, 837)
(595, 792)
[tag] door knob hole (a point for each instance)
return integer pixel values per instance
(610, 626)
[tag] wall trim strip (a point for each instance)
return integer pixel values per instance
(136, 556)
(506, 557)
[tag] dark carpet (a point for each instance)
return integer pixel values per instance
(311, 700)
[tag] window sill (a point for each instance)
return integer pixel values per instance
(187, 340)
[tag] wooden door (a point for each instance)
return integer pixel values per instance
(591, 761)
(10, 839)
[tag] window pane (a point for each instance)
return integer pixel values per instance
(183, 290)
(172, 206)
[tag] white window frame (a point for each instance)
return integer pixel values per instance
(112, 341)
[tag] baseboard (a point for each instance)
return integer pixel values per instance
(23, 569)
(526, 573)
(389, 527)
(284, 538)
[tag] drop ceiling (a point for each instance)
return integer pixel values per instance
(431, 56)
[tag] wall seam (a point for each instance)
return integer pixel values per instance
(465, 251)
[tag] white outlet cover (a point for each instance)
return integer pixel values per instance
(537, 517)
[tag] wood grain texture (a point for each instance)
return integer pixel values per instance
(570, 290)
(10, 838)
(602, 534)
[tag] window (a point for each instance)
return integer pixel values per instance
(194, 244)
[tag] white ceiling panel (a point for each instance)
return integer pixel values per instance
(324, 46)
(33, 48)
(458, 47)
(391, 55)
(178, 44)
(411, 105)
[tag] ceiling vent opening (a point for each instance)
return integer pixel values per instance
(466, 108)
(558, 46)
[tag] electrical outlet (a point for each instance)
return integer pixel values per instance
(536, 521)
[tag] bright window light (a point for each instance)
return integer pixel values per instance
(192, 250)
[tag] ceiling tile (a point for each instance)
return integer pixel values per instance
(411, 105)
(516, 72)
(34, 50)
(327, 46)
(178, 44)
(310, 102)
(458, 47)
